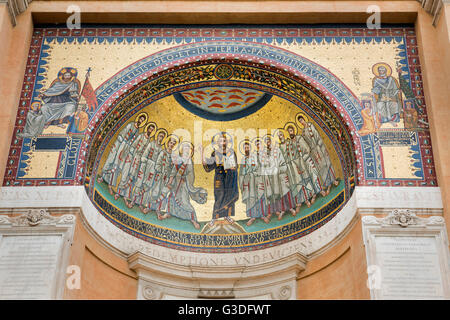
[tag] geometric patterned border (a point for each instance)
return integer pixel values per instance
(261, 34)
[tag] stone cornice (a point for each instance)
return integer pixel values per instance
(16, 7)
(34, 217)
(433, 7)
(274, 280)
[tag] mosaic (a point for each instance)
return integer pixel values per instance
(221, 139)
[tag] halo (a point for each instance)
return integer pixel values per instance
(142, 114)
(72, 71)
(254, 141)
(241, 145)
(298, 115)
(215, 137)
(36, 106)
(159, 131)
(148, 125)
(190, 145)
(266, 136)
(291, 124)
(275, 134)
(170, 137)
(381, 64)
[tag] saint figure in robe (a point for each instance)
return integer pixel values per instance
(115, 161)
(388, 95)
(182, 189)
(60, 103)
(224, 163)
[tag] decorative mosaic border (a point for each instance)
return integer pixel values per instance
(121, 113)
(261, 34)
(198, 242)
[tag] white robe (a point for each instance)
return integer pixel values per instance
(116, 157)
(303, 169)
(274, 171)
(247, 181)
(146, 176)
(183, 190)
(60, 101)
(388, 103)
(319, 155)
(159, 191)
(131, 167)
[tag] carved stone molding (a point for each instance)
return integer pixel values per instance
(216, 294)
(365, 200)
(158, 279)
(407, 256)
(433, 7)
(382, 200)
(285, 292)
(45, 272)
(36, 217)
(124, 244)
(149, 293)
(403, 218)
(373, 200)
(16, 7)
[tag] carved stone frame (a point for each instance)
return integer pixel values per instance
(40, 222)
(158, 279)
(403, 222)
(147, 258)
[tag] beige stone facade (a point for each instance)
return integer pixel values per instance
(334, 266)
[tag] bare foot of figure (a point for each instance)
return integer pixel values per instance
(99, 179)
(308, 204)
(280, 215)
(294, 212)
(116, 196)
(165, 216)
(323, 193)
(266, 219)
(336, 182)
(111, 191)
(229, 219)
(328, 190)
(313, 199)
(159, 215)
(250, 222)
(195, 223)
(128, 203)
(144, 210)
(297, 208)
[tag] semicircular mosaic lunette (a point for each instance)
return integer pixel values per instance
(144, 177)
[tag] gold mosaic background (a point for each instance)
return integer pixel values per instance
(168, 114)
(352, 63)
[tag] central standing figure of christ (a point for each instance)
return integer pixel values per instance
(223, 160)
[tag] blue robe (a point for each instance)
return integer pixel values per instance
(226, 191)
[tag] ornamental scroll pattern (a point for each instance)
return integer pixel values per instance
(35, 217)
(403, 218)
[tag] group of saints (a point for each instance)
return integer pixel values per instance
(276, 173)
